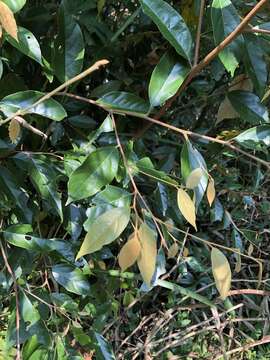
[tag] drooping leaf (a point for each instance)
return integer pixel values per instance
(255, 63)
(171, 26)
(68, 47)
(211, 191)
(224, 21)
(249, 107)
(15, 5)
(129, 252)
(14, 130)
(26, 99)
(71, 278)
(104, 347)
(221, 272)
(194, 178)
(186, 207)
(166, 79)
(8, 21)
(104, 230)
(123, 101)
(192, 159)
(147, 259)
(27, 44)
(97, 170)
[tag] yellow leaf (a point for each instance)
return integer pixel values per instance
(147, 259)
(185, 252)
(186, 207)
(8, 21)
(14, 130)
(221, 272)
(250, 249)
(194, 178)
(238, 264)
(211, 191)
(129, 252)
(173, 251)
(104, 230)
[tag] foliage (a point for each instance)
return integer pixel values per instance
(134, 179)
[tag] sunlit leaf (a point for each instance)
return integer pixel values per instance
(129, 252)
(173, 251)
(186, 207)
(14, 130)
(221, 272)
(8, 21)
(147, 259)
(211, 191)
(194, 178)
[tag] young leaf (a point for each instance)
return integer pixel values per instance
(8, 21)
(129, 252)
(194, 178)
(221, 272)
(147, 259)
(14, 130)
(211, 191)
(186, 207)
(166, 79)
(104, 230)
(171, 26)
(97, 170)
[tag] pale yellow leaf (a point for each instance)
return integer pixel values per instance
(211, 191)
(102, 265)
(221, 272)
(104, 230)
(186, 207)
(173, 251)
(194, 178)
(129, 252)
(147, 259)
(238, 264)
(8, 21)
(250, 249)
(185, 252)
(14, 130)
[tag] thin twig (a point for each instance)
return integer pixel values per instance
(257, 31)
(199, 31)
(25, 124)
(15, 286)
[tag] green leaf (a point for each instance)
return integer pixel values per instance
(72, 279)
(224, 21)
(191, 159)
(43, 176)
(255, 63)
(97, 170)
(166, 79)
(15, 5)
(14, 191)
(249, 107)
(171, 25)
(104, 347)
(27, 44)
(68, 47)
(104, 230)
(255, 137)
(123, 101)
(25, 99)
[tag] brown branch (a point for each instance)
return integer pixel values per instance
(26, 125)
(207, 60)
(258, 31)
(198, 35)
(249, 292)
(15, 286)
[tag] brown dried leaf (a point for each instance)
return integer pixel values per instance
(14, 130)
(221, 272)
(147, 259)
(8, 21)
(129, 252)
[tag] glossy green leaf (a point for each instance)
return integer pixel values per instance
(104, 230)
(249, 107)
(27, 44)
(72, 279)
(259, 135)
(191, 159)
(104, 347)
(43, 176)
(98, 170)
(255, 63)
(166, 79)
(224, 20)
(15, 5)
(123, 101)
(25, 99)
(68, 47)
(171, 25)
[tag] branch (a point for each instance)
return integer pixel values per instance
(198, 36)
(25, 124)
(257, 31)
